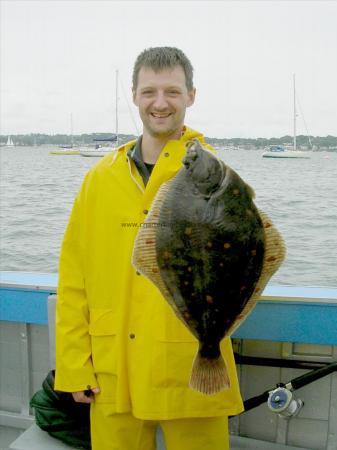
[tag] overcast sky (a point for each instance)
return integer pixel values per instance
(59, 58)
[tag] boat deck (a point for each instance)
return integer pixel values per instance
(36, 439)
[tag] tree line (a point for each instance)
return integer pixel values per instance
(317, 142)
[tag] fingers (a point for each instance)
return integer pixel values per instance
(96, 390)
(80, 397)
(85, 396)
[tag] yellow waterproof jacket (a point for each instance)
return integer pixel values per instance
(113, 328)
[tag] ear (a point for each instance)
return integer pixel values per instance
(191, 97)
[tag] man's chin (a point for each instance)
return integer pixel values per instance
(163, 133)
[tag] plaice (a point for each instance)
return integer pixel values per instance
(210, 252)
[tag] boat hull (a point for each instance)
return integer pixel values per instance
(286, 154)
(64, 152)
(95, 153)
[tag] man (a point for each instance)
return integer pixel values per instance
(117, 339)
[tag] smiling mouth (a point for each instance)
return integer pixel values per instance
(160, 116)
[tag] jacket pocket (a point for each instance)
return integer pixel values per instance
(103, 330)
(174, 350)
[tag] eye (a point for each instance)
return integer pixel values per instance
(147, 92)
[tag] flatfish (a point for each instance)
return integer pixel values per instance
(210, 252)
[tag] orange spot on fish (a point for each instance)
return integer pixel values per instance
(149, 241)
(267, 225)
(271, 258)
(155, 270)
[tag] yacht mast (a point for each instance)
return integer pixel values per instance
(117, 107)
(294, 112)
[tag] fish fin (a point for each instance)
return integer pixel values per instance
(209, 376)
(144, 256)
(274, 254)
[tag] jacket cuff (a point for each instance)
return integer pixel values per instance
(74, 380)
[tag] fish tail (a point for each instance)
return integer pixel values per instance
(209, 376)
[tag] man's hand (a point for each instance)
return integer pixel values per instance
(85, 396)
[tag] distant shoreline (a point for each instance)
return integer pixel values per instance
(319, 143)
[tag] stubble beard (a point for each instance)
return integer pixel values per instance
(161, 134)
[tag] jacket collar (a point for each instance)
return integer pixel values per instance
(187, 134)
(169, 161)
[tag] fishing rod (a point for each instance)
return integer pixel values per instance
(281, 399)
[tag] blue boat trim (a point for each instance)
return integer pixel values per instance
(23, 306)
(313, 323)
(24, 296)
(284, 313)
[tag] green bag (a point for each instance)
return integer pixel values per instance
(60, 416)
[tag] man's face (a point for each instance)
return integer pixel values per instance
(162, 99)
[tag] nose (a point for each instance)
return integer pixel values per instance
(160, 102)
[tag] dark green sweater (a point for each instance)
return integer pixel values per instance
(135, 154)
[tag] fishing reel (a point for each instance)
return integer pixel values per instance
(283, 402)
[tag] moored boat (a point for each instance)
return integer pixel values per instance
(65, 151)
(280, 151)
(9, 142)
(98, 150)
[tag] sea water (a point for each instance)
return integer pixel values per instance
(38, 189)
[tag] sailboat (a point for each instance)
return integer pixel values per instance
(98, 150)
(9, 143)
(280, 151)
(67, 149)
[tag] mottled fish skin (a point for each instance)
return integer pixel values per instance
(210, 251)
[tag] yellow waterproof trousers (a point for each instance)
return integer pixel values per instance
(125, 432)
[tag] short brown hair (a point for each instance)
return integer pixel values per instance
(159, 58)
